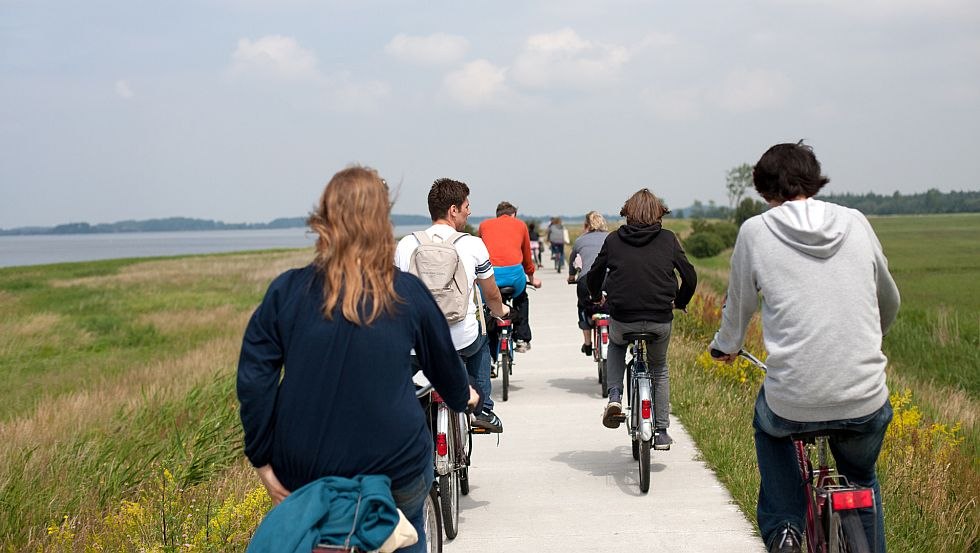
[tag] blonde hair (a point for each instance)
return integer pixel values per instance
(643, 208)
(595, 221)
(355, 245)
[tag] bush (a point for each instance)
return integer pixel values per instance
(704, 244)
(723, 229)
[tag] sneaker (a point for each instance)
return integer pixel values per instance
(520, 346)
(488, 421)
(613, 415)
(786, 541)
(661, 440)
(587, 350)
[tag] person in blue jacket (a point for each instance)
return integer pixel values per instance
(325, 372)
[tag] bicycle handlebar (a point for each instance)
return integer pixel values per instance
(717, 353)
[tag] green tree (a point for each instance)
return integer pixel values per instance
(737, 181)
(748, 208)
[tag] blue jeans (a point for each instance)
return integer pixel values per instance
(476, 357)
(656, 363)
(558, 251)
(411, 500)
(781, 497)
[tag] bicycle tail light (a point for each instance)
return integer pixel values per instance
(605, 336)
(645, 409)
(852, 499)
(442, 446)
(503, 344)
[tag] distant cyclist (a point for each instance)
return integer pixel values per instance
(535, 237)
(509, 245)
(557, 236)
(586, 247)
(639, 263)
(827, 300)
(449, 207)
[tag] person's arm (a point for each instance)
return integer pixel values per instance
(259, 371)
(597, 274)
(492, 297)
(889, 299)
(740, 303)
(689, 277)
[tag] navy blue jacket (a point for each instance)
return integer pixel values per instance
(345, 404)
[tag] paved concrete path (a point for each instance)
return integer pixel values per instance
(560, 481)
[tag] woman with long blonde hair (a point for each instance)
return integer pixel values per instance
(586, 248)
(325, 373)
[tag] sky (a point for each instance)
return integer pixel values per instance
(242, 110)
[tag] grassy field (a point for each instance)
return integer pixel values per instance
(119, 426)
(118, 373)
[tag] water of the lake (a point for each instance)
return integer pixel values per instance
(62, 248)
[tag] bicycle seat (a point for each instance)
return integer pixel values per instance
(642, 336)
(810, 437)
(507, 292)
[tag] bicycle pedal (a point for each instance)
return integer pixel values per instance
(478, 430)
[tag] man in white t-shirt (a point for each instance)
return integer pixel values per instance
(449, 206)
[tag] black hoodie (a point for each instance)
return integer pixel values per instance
(638, 263)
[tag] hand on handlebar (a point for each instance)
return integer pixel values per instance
(474, 399)
(536, 282)
(503, 315)
(719, 355)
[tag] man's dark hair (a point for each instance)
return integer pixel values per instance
(444, 194)
(506, 208)
(788, 171)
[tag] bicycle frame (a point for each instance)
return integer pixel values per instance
(600, 337)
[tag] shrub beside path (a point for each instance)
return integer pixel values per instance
(560, 481)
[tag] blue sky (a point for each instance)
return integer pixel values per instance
(241, 110)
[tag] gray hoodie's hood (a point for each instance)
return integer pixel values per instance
(813, 227)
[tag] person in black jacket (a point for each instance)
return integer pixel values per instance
(638, 267)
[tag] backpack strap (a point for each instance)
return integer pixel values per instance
(422, 237)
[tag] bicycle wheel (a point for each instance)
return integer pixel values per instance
(636, 450)
(449, 501)
(433, 522)
(602, 378)
(644, 462)
(465, 450)
(847, 533)
(503, 369)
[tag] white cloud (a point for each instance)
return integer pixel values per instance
(675, 105)
(123, 90)
(274, 56)
(435, 49)
(752, 90)
(478, 84)
(563, 58)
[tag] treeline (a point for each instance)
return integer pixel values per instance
(173, 224)
(931, 201)
(923, 203)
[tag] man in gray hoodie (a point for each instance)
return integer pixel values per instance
(827, 301)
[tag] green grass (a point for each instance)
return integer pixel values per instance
(114, 369)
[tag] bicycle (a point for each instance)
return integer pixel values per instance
(453, 447)
(639, 394)
(833, 524)
(600, 348)
(431, 515)
(505, 344)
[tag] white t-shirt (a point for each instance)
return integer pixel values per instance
(476, 260)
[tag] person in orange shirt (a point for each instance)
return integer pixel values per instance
(509, 245)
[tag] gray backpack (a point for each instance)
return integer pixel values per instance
(440, 268)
